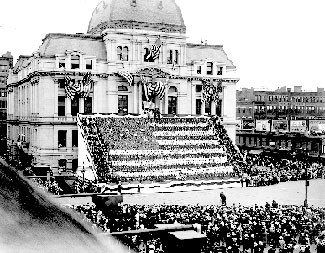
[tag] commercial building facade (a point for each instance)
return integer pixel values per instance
(283, 119)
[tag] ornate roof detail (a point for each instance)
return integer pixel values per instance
(137, 14)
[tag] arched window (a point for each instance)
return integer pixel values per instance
(172, 89)
(125, 53)
(75, 61)
(170, 57)
(176, 56)
(119, 53)
(122, 88)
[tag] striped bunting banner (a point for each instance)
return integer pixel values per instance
(127, 75)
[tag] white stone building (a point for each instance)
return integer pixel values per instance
(119, 37)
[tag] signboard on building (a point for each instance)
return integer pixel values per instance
(262, 125)
(317, 125)
(298, 126)
(248, 124)
(280, 125)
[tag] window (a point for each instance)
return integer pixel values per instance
(172, 105)
(209, 68)
(75, 106)
(123, 104)
(119, 53)
(198, 106)
(199, 70)
(170, 57)
(74, 165)
(122, 88)
(89, 64)
(74, 138)
(146, 54)
(61, 106)
(219, 73)
(61, 63)
(198, 88)
(75, 61)
(88, 105)
(176, 56)
(61, 83)
(62, 138)
(207, 107)
(62, 165)
(125, 54)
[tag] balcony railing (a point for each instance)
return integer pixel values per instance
(34, 118)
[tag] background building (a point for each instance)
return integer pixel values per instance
(283, 103)
(283, 119)
(108, 70)
(6, 61)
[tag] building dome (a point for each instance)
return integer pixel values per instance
(157, 15)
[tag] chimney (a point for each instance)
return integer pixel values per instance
(297, 88)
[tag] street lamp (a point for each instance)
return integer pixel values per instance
(83, 173)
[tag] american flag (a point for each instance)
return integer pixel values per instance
(154, 50)
(70, 88)
(127, 75)
(153, 89)
(85, 85)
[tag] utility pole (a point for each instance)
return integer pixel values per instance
(306, 185)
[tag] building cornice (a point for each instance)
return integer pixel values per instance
(135, 25)
(37, 74)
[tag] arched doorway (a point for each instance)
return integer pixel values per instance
(172, 100)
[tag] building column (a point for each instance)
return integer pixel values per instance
(203, 108)
(193, 94)
(135, 99)
(56, 83)
(161, 105)
(81, 105)
(213, 108)
(68, 106)
(140, 99)
(166, 103)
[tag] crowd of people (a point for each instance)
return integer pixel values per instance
(162, 149)
(233, 227)
(271, 168)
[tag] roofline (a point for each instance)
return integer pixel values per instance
(75, 35)
(203, 45)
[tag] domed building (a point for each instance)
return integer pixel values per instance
(134, 58)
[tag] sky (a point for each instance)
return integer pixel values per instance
(273, 43)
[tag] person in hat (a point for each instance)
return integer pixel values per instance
(223, 199)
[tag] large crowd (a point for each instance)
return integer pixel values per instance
(271, 168)
(146, 149)
(235, 228)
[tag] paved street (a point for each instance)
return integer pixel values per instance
(288, 193)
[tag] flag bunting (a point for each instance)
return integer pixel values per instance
(78, 87)
(154, 50)
(127, 75)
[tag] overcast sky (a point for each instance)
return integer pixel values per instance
(272, 42)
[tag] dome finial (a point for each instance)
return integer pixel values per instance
(160, 6)
(133, 3)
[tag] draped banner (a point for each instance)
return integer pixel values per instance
(127, 75)
(154, 50)
(78, 87)
(211, 92)
(153, 89)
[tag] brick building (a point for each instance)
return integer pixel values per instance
(283, 103)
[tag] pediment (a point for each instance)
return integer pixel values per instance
(152, 72)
